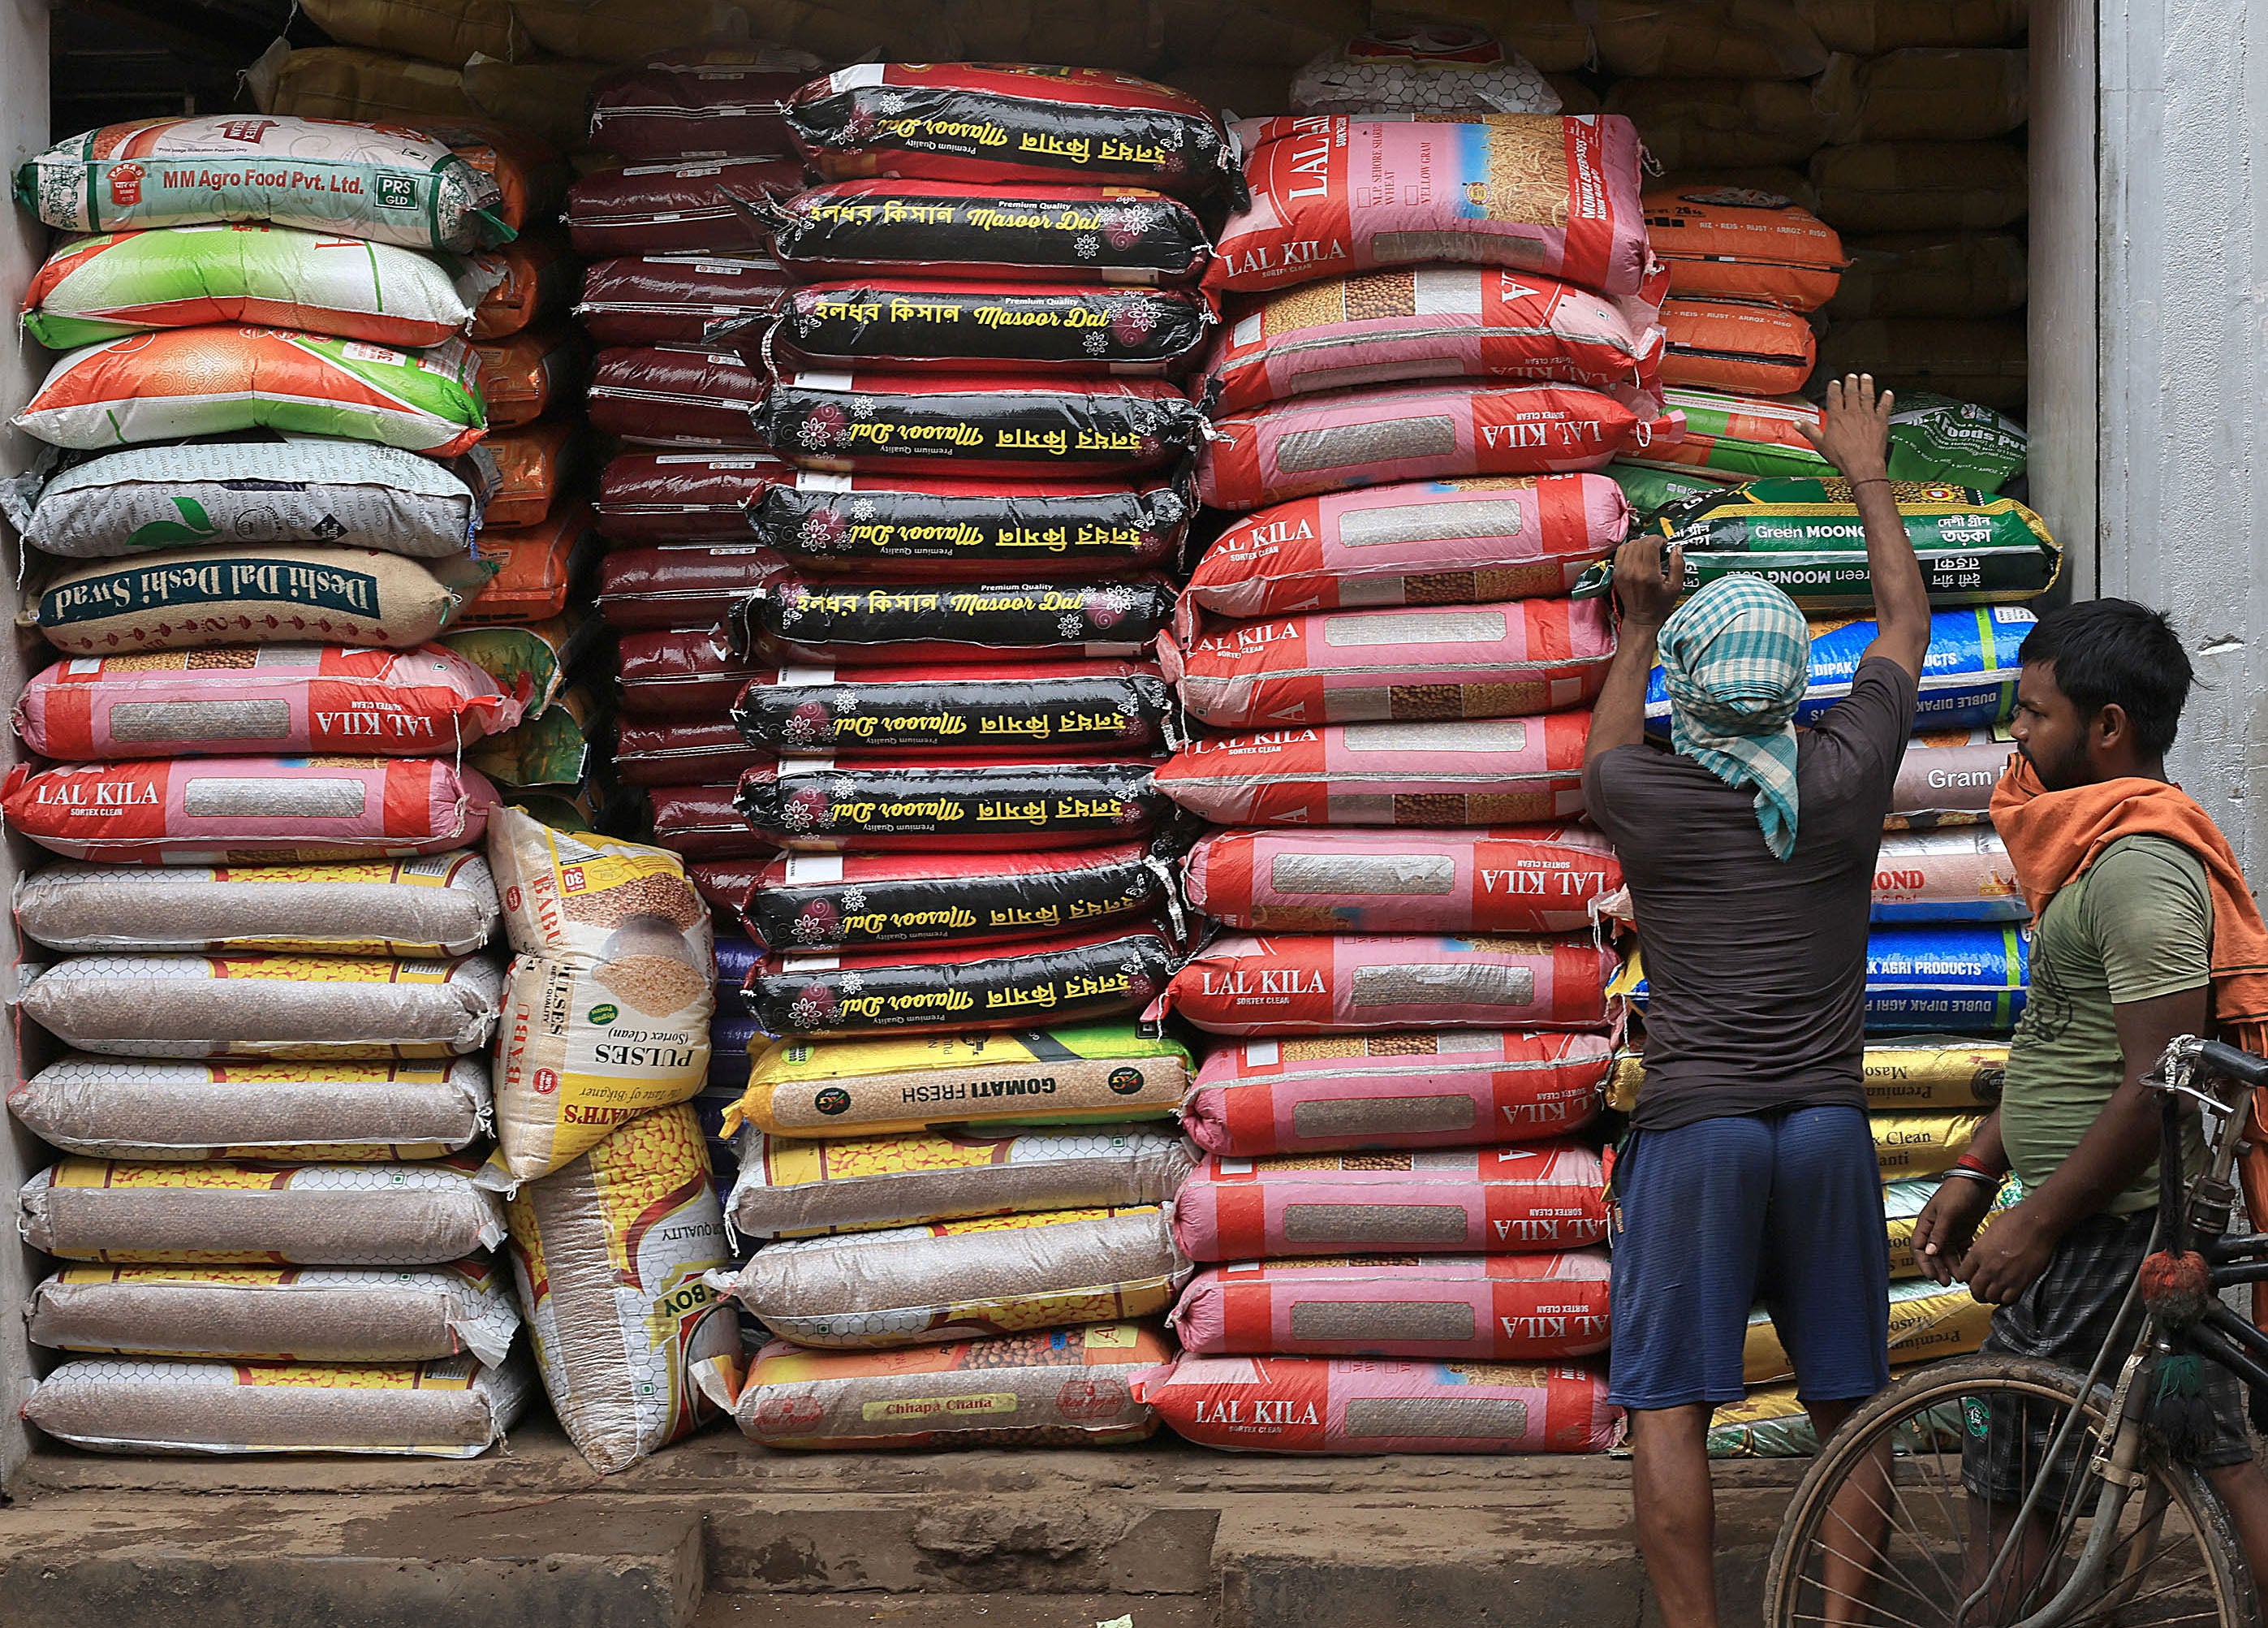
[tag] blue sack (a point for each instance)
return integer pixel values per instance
(1951, 979)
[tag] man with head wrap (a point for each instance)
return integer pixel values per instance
(1748, 847)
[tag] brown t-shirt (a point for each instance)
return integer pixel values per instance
(1755, 967)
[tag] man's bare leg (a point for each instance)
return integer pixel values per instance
(2244, 1493)
(1677, 1511)
(1857, 1523)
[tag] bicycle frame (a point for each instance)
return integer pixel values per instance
(2194, 1215)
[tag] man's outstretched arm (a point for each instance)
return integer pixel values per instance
(1853, 435)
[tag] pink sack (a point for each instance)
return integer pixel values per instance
(1435, 322)
(1556, 196)
(1449, 1201)
(1485, 1308)
(1298, 984)
(248, 810)
(1315, 1094)
(663, 395)
(1411, 665)
(1488, 771)
(268, 698)
(1415, 542)
(1365, 438)
(1514, 878)
(1330, 1404)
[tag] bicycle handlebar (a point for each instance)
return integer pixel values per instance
(2241, 1066)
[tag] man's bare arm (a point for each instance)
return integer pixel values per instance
(1853, 435)
(1647, 591)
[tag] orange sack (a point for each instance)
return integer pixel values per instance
(525, 376)
(1738, 345)
(1743, 244)
(532, 462)
(542, 565)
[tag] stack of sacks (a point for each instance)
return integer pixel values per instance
(945, 678)
(269, 1113)
(602, 1045)
(950, 1221)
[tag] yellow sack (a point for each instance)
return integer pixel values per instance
(1932, 274)
(1917, 1145)
(369, 87)
(1926, 95)
(1921, 186)
(546, 98)
(440, 31)
(1983, 360)
(1906, 1075)
(1902, 1207)
(1707, 39)
(1926, 1322)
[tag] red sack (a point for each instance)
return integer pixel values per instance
(1301, 984)
(699, 301)
(682, 587)
(1517, 878)
(1365, 438)
(940, 529)
(994, 327)
(1114, 235)
(976, 121)
(1740, 345)
(979, 423)
(664, 208)
(1421, 662)
(682, 675)
(699, 100)
(896, 803)
(1491, 772)
(857, 902)
(721, 883)
(700, 823)
(684, 497)
(682, 753)
(662, 396)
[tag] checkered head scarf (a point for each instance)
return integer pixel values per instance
(1736, 657)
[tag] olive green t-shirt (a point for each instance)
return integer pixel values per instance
(2136, 925)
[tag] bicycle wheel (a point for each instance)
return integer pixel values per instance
(1913, 1516)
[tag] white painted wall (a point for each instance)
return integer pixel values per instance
(2182, 349)
(23, 132)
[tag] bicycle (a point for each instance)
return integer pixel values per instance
(1910, 1517)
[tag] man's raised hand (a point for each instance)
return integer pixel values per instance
(1646, 585)
(1853, 432)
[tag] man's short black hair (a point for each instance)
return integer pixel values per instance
(2115, 653)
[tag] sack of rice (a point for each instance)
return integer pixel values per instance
(1533, 879)
(536, 279)
(950, 121)
(796, 1188)
(248, 810)
(690, 300)
(1484, 1200)
(1060, 1387)
(1943, 94)
(1557, 197)
(951, 709)
(211, 381)
(864, 901)
(715, 96)
(340, 83)
(182, 598)
(934, 420)
(1934, 274)
(441, 906)
(983, 324)
(680, 207)
(383, 182)
(1968, 677)
(1484, 771)
(301, 1007)
(1320, 1094)
(868, 625)
(296, 698)
(910, 225)
(534, 661)
(1336, 1405)
(1984, 360)
(1805, 535)
(347, 494)
(278, 1314)
(540, 568)
(1960, 874)
(875, 1086)
(1712, 38)
(1926, 1322)
(1298, 983)
(1718, 124)
(1106, 972)
(892, 803)
(1740, 243)
(1741, 345)
(1920, 1145)
(1364, 437)
(1419, 663)
(1945, 778)
(954, 1280)
(1475, 1308)
(1430, 321)
(1922, 185)
(437, 34)
(1412, 68)
(1415, 542)
(222, 1214)
(452, 1408)
(610, 1253)
(98, 288)
(1869, 27)
(328, 1112)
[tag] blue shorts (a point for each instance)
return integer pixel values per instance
(1784, 1208)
